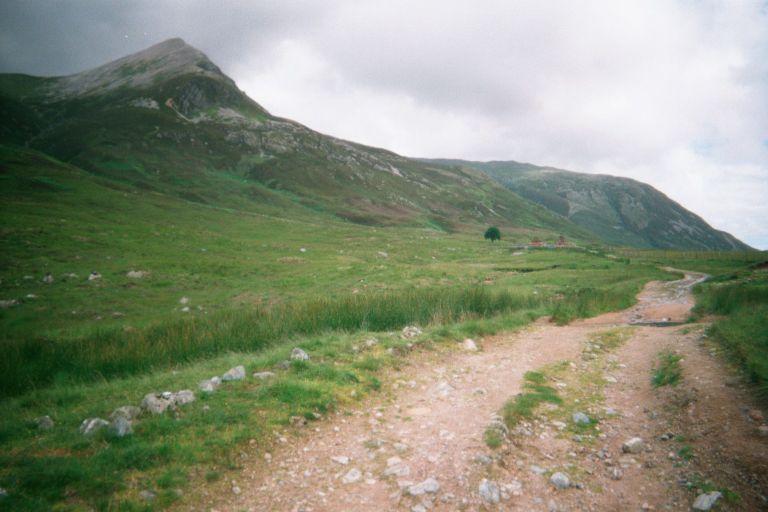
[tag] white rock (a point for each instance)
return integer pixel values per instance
(560, 480)
(469, 345)
(93, 276)
(263, 375)
(430, 485)
(410, 331)
(442, 389)
(184, 300)
(155, 404)
(236, 373)
(352, 476)
(183, 397)
(90, 426)
(129, 412)
(44, 423)
(489, 491)
(121, 427)
(341, 459)
(580, 418)
(706, 501)
(136, 274)
(298, 354)
(634, 445)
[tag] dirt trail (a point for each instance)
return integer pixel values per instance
(430, 425)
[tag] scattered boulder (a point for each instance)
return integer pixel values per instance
(154, 403)
(483, 459)
(7, 303)
(489, 491)
(184, 301)
(352, 476)
(263, 375)
(383, 254)
(121, 427)
(47, 278)
(706, 501)
(129, 412)
(44, 423)
(93, 276)
(236, 373)
(370, 342)
(341, 459)
(90, 426)
(136, 274)
(298, 354)
(410, 331)
(442, 389)
(634, 445)
(430, 485)
(183, 397)
(537, 470)
(560, 480)
(616, 474)
(209, 385)
(469, 345)
(580, 418)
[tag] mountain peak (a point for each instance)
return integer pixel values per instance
(173, 57)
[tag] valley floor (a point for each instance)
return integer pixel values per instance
(701, 435)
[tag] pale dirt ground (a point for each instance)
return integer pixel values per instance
(434, 415)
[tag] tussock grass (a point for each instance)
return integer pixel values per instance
(668, 372)
(111, 353)
(535, 392)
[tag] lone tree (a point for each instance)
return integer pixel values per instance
(492, 234)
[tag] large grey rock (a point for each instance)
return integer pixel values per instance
(90, 426)
(121, 426)
(560, 480)
(299, 355)
(430, 485)
(634, 445)
(580, 418)
(706, 501)
(236, 373)
(44, 423)
(129, 412)
(154, 403)
(489, 491)
(263, 375)
(183, 397)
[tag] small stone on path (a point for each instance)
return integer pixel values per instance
(580, 418)
(560, 480)
(341, 459)
(489, 491)
(430, 485)
(706, 501)
(352, 476)
(634, 445)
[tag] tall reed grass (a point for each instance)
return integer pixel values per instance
(39, 362)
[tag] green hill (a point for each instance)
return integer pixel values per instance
(167, 120)
(620, 211)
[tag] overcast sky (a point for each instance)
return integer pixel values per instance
(673, 93)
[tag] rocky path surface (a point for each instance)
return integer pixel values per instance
(419, 446)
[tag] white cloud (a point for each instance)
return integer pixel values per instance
(671, 93)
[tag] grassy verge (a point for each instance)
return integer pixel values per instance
(742, 297)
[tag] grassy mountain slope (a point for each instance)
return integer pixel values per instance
(166, 120)
(621, 211)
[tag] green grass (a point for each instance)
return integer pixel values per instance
(740, 298)
(535, 392)
(668, 372)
